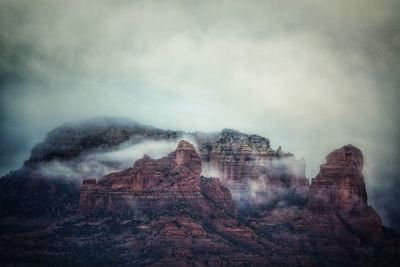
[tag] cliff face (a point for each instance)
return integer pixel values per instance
(48, 184)
(162, 212)
(335, 220)
(339, 188)
(340, 184)
(189, 218)
(159, 184)
(255, 173)
(258, 209)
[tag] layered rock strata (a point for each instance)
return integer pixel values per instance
(255, 173)
(339, 188)
(157, 184)
(162, 212)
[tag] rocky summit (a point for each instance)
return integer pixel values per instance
(156, 184)
(258, 209)
(339, 189)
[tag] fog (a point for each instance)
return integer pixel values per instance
(311, 76)
(96, 164)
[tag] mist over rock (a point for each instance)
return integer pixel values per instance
(254, 172)
(256, 209)
(157, 184)
(173, 198)
(72, 139)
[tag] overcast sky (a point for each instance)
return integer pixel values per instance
(310, 75)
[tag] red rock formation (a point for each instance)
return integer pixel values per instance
(163, 213)
(250, 168)
(340, 183)
(177, 172)
(171, 180)
(194, 213)
(339, 188)
(247, 165)
(214, 191)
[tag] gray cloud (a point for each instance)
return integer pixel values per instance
(310, 75)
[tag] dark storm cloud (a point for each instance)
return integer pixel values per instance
(310, 75)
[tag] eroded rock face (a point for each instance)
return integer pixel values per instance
(340, 183)
(246, 164)
(339, 188)
(177, 172)
(255, 173)
(162, 212)
(336, 224)
(157, 184)
(187, 217)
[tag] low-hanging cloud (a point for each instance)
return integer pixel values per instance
(310, 75)
(208, 170)
(99, 163)
(273, 189)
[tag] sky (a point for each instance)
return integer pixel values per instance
(311, 76)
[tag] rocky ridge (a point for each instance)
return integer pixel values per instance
(335, 225)
(157, 184)
(163, 212)
(245, 163)
(194, 214)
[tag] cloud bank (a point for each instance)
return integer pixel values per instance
(99, 163)
(310, 75)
